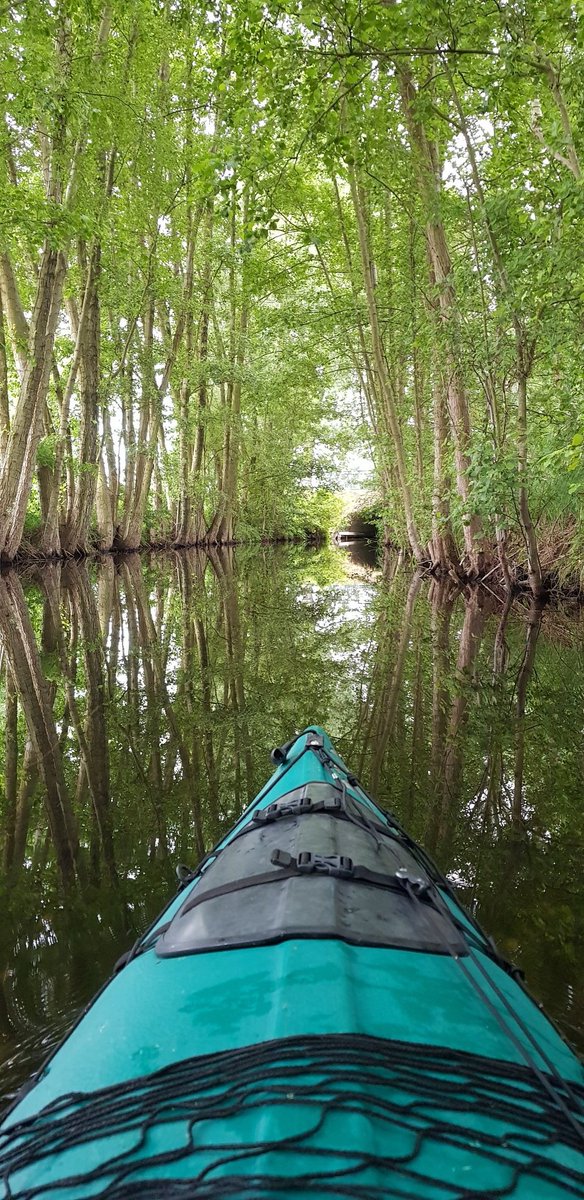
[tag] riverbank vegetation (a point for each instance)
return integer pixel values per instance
(237, 240)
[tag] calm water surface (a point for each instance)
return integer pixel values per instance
(139, 700)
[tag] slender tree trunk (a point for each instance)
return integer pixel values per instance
(524, 350)
(103, 507)
(75, 536)
(50, 543)
(13, 312)
(444, 552)
(383, 381)
(458, 407)
(222, 529)
(417, 379)
(147, 438)
(18, 462)
(570, 158)
(534, 572)
(4, 403)
(108, 484)
(189, 526)
(198, 524)
(184, 530)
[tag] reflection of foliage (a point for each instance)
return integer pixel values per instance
(448, 765)
(187, 669)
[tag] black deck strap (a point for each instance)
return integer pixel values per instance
(296, 808)
(333, 806)
(140, 947)
(337, 865)
(343, 867)
(236, 885)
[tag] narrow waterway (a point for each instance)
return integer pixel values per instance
(140, 699)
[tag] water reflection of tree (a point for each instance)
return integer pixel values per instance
(448, 754)
(430, 654)
(35, 697)
(140, 705)
(471, 754)
(91, 732)
(101, 766)
(391, 638)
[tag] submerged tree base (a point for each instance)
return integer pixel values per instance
(561, 562)
(562, 568)
(30, 555)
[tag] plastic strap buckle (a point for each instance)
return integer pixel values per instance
(296, 808)
(290, 808)
(308, 863)
(338, 865)
(332, 804)
(281, 858)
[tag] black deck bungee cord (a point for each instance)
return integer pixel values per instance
(315, 1072)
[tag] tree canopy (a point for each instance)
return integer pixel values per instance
(235, 240)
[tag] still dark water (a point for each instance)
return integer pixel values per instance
(139, 700)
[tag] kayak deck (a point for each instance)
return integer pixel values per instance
(286, 1041)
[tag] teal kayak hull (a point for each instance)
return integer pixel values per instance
(315, 1057)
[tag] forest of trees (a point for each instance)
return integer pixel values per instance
(236, 240)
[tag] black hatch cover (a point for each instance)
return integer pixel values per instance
(313, 874)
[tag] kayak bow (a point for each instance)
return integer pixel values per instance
(314, 1013)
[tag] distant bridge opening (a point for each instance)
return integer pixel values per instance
(357, 529)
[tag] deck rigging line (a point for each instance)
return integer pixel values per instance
(440, 1121)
